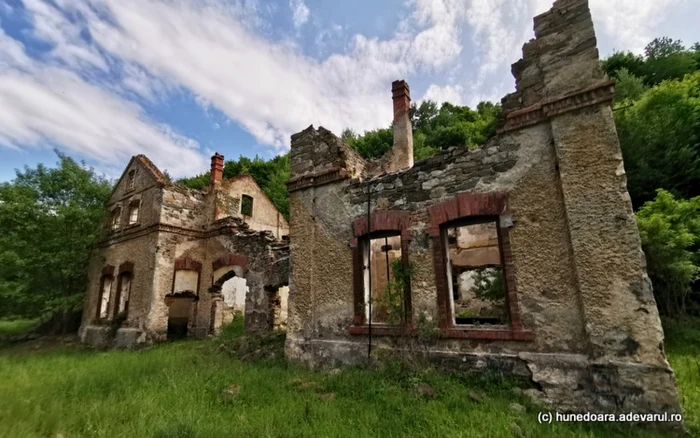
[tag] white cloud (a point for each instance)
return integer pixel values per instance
(630, 23)
(300, 13)
(45, 105)
(447, 93)
(221, 53)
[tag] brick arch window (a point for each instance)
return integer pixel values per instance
(124, 280)
(186, 276)
(230, 260)
(474, 271)
(377, 249)
(105, 293)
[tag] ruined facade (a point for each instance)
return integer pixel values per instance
(173, 261)
(524, 253)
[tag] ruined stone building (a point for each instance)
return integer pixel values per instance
(173, 261)
(523, 253)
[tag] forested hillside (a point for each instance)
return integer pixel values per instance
(49, 217)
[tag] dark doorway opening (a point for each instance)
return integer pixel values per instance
(179, 313)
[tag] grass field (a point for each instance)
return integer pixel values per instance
(16, 326)
(176, 390)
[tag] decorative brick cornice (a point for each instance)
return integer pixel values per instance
(187, 264)
(137, 232)
(230, 260)
(384, 220)
(598, 94)
(466, 205)
(318, 179)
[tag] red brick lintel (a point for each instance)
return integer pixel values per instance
(599, 93)
(317, 179)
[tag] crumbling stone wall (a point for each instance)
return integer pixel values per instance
(583, 324)
(180, 229)
(265, 215)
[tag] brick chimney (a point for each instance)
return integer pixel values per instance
(402, 152)
(217, 171)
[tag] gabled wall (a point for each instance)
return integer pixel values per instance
(265, 215)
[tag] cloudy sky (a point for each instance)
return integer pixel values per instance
(177, 80)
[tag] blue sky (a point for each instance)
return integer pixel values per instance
(103, 80)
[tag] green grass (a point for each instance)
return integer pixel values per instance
(683, 350)
(175, 390)
(16, 326)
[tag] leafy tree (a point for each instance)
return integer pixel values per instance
(633, 64)
(49, 220)
(373, 144)
(663, 59)
(660, 140)
(670, 232)
(628, 86)
(433, 129)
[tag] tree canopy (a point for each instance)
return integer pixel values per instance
(434, 128)
(49, 219)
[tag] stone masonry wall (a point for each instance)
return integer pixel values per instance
(583, 322)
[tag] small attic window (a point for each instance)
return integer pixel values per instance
(247, 205)
(130, 180)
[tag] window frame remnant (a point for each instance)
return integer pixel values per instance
(457, 224)
(131, 180)
(134, 206)
(383, 223)
(246, 205)
(115, 220)
(107, 276)
(126, 272)
(187, 264)
(365, 242)
(475, 206)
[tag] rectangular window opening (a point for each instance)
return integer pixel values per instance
(130, 180)
(475, 274)
(124, 292)
(116, 219)
(133, 213)
(246, 205)
(103, 304)
(383, 263)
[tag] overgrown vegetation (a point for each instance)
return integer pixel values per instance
(657, 114)
(392, 300)
(433, 129)
(271, 176)
(197, 389)
(49, 219)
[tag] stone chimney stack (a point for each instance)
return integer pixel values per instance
(217, 171)
(402, 152)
